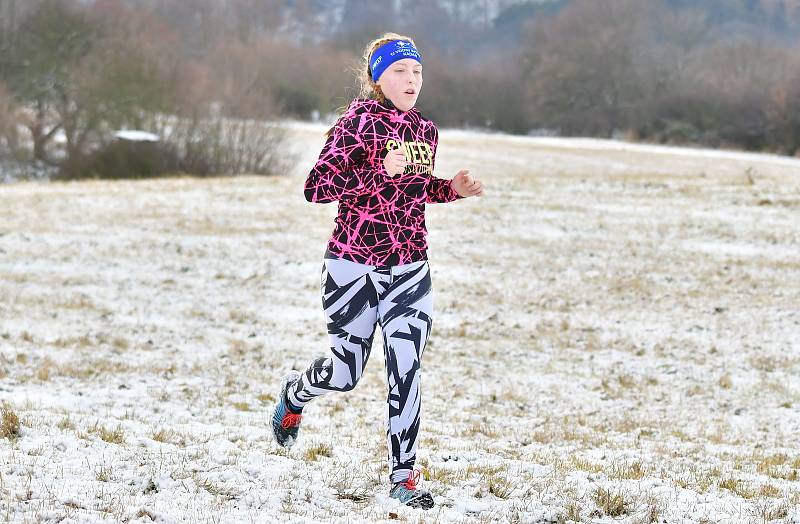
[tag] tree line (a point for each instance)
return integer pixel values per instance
(715, 72)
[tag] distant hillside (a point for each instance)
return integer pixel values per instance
(722, 73)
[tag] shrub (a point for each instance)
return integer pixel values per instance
(121, 159)
(201, 147)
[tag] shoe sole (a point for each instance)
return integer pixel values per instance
(423, 502)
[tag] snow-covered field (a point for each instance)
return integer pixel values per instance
(616, 339)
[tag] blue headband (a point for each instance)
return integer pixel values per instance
(389, 53)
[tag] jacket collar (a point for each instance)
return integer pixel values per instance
(384, 109)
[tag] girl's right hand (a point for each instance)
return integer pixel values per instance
(395, 162)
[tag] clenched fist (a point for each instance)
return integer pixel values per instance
(465, 185)
(395, 162)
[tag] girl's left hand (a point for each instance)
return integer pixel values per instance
(465, 185)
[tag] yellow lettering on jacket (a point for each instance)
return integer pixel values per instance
(428, 153)
(418, 154)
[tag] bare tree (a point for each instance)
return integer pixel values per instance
(581, 69)
(68, 75)
(8, 127)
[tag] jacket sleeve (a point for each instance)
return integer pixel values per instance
(439, 190)
(339, 173)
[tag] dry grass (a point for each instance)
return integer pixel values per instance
(112, 436)
(501, 487)
(778, 466)
(103, 473)
(266, 398)
(768, 490)
(45, 368)
(612, 502)
(216, 489)
(169, 436)
(444, 475)
(347, 485)
(573, 512)
(316, 451)
(9, 422)
(591, 324)
(66, 424)
(653, 510)
(485, 429)
(586, 465)
(767, 510)
(623, 471)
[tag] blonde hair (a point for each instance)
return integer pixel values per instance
(367, 87)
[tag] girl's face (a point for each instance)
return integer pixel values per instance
(401, 83)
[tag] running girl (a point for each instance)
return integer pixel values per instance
(377, 162)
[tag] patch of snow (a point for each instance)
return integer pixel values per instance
(136, 136)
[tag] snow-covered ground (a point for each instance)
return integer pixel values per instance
(616, 339)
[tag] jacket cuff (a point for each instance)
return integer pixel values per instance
(455, 193)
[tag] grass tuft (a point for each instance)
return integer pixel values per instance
(242, 406)
(9, 423)
(216, 489)
(115, 436)
(316, 451)
(611, 503)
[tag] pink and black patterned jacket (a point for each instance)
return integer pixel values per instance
(381, 219)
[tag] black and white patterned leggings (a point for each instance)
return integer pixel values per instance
(356, 297)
